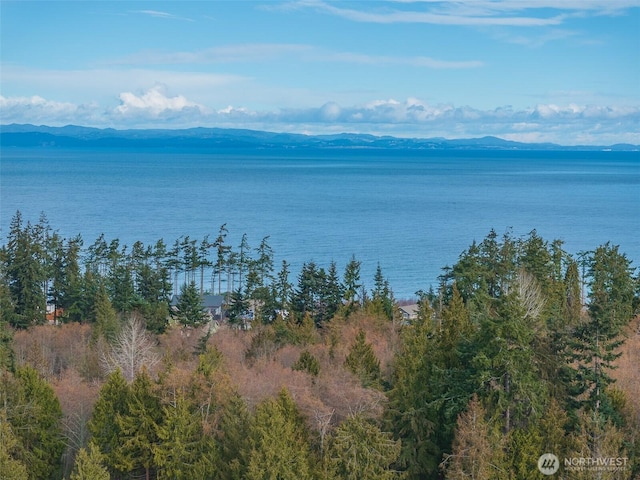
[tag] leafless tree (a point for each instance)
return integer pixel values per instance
(132, 349)
(530, 294)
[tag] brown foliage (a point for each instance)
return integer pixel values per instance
(627, 373)
(51, 350)
(77, 399)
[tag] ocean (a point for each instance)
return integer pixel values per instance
(411, 212)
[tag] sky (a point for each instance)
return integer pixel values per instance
(562, 71)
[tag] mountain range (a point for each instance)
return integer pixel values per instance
(73, 136)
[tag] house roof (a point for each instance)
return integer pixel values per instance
(410, 310)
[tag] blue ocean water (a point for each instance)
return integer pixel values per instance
(413, 212)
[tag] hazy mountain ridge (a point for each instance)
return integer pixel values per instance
(73, 136)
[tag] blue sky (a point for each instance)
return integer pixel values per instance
(564, 71)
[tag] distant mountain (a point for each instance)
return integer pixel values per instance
(72, 136)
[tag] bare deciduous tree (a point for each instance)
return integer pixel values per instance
(132, 349)
(530, 294)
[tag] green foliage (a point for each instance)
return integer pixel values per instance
(362, 362)
(352, 285)
(11, 468)
(233, 441)
(411, 414)
(7, 357)
(139, 426)
(107, 324)
(188, 311)
(182, 452)
(238, 310)
(89, 465)
(505, 367)
(24, 256)
(382, 302)
(359, 450)
(307, 363)
(277, 427)
(318, 293)
(596, 339)
(34, 414)
(106, 432)
(264, 343)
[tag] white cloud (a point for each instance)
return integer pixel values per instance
(569, 124)
(38, 110)
(267, 52)
(159, 14)
(461, 15)
(471, 12)
(154, 102)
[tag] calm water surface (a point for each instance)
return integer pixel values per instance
(411, 212)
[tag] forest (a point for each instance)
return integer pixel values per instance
(521, 364)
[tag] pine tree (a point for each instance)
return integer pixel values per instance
(107, 324)
(362, 362)
(11, 468)
(181, 451)
(139, 427)
(505, 367)
(26, 273)
(352, 284)
(456, 328)
(34, 413)
(234, 439)
(307, 363)
(189, 312)
(279, 443)
(89, 465)
(359, 450)
(106, 432)
(612, 290)
(411, 413)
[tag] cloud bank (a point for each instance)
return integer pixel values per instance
(571, 124)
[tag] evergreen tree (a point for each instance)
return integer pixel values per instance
(456, 328)
(307, 363)
(238, 310)
(11, 468)
(283, 288)
(107, 324)
(573, 295)
(189, 312)
(234, 439)
(359, 450)
(26, 273)
(382, 302)
(34, 413)
(611, 293)
(138, 426)
(279, 443)
(362, 362)
(411, 411)
(352, 283)
(106, 432)
(73, 289)
(89, 465)
(222, 251)
(505, 366)
(331, 293)
(181, 453)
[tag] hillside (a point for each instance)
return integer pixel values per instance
(72, 136)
